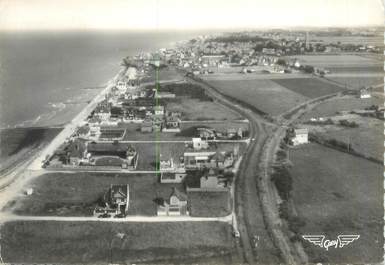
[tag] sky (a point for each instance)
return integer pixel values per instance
(186, 14)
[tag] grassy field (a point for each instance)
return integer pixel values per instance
(265, 95)
(336, 193)
(338, 61)
(193, 109)
(367, 139)
(346, 103)
(220, 127)
(209, 204)
(78, 194)
(356, 82)
(108, 243)
(165, 74)
(378, 39)
(308, 87)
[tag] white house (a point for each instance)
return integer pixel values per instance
(300, 136)
(159, 110)
(365, 93)
(199, 144)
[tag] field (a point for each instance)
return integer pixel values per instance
(266, 95)
(336, 193)
(78, 194)
(346, 103)
(209, 204)
(338, 61)
(165, 74)
(193, 109)
(309, 87)
(363, 40)
(357, 82)
(218, 126)
(112, 243)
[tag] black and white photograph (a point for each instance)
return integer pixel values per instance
(192, 132)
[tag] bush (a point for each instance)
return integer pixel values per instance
(346, 123)
(283, 181)
(295, 224)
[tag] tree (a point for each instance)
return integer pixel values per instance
(281, 62)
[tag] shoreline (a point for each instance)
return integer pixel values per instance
(71, 126)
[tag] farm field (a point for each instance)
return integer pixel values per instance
(337, 193)
(218, 126)
(372, 40)
(357, 82)
(367, 139)
(253, 76)
(193, 109)
(266, 95)
(165, 74)
(309, 87)
(338, 60)
(78, 194)
(346, 103)
(116, 243)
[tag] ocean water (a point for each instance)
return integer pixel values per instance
(46, 77)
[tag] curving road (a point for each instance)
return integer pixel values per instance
(246, 196)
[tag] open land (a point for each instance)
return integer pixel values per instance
(332, 106)
(266, 95)
(193, 109)
(77, 194)
(102, 242)
(338, 61)
(336, 193)
(309, 87)
(209, 204)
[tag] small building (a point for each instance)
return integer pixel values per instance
(146, 126)
(206, 133)
(176, 176)
(300, 136)
(112, 155)
(159, 110)
(176, 204)
(199, 144)
(211, 159)
(116, 201)
(365, 93)
(171, 124)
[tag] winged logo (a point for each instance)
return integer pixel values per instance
(315, 239)
(340, 242)
(347, 239)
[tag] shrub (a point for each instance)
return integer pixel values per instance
(283, 181)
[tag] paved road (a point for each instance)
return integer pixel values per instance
(5, 217)
(174, 141)
(245, 188)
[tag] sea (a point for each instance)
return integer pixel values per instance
(48, 77)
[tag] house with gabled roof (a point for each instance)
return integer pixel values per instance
(116, 201)
(176, 204)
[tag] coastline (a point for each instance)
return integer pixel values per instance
(70, 127)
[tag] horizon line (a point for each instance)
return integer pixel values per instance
(373, 26)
